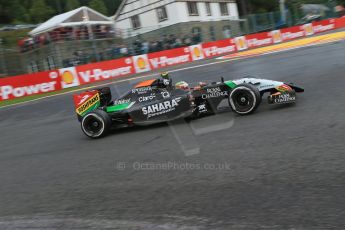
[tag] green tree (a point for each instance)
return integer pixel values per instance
(112, 5)
(40, 11)
(262, 6)
(5, 12)
(99, 6)
(19, 12)
(71, 5)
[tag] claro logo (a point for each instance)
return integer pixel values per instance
(8, 91)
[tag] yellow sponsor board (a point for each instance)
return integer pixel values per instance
(241, 43)
(308, 29)
(88, 104)
(277, 36)
(196, 52)
(141, 63)
(69, 77)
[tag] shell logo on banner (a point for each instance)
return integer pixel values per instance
(69, 77)
(308, 29)
(196, 52)
(241, 43)
(141, 63)
(277, 36)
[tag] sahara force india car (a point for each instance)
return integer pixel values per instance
(158, 100)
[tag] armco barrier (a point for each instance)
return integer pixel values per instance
(340, 22)
(50, 81)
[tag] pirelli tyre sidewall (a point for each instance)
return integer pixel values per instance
(244, 99)
(96, 124)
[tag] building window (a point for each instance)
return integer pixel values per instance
(162, 14)
(135, 22)
(227, 31)
(50, 63)
(192, 8)
(196, 35)
(208, 9)
(33, 67)
(223, 9)
(212, 33)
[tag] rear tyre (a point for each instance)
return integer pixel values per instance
(96, 124)
(244, 99)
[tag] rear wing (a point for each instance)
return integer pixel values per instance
(86, 102)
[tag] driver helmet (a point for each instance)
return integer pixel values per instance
(202, 84)
(182, 85)
(165, 75)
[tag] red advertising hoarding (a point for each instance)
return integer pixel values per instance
(258, 40)
(50, 81)
(101, 71)
(292, 33)
(216, 48)
(169, 58)
(340, 22)
(323, 26)
(29, 84)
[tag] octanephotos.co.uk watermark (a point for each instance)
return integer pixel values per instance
(170, 165)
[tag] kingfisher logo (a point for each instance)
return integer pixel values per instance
(241, 43)
(84, 98)
(308, 29)
(197, 52)
(141, 63)
(69, 77)
(277, 36)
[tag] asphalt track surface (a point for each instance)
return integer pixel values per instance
(280, 168)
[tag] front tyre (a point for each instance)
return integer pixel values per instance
(244, 99)
(96, 124)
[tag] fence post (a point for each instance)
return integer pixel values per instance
(272, 21)
(332, 4)
(2, 60)
(254, 26)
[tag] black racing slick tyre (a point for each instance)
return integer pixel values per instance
(244, 99)
(96, 124)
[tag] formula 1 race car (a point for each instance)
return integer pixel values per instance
(158, 100)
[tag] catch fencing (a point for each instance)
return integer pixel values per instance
(64, 78)
(69, 48)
